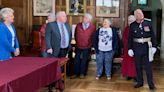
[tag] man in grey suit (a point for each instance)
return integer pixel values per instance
(58, 36)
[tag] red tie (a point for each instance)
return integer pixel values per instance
(63, 35)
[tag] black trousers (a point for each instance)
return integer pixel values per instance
(63, 53)
(142, 58)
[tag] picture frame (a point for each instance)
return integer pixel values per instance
(107, 8)
(142, 2)
(43, 7)
(75, 7)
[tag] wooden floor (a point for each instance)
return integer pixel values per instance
(116, 84)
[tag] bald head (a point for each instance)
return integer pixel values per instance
(61, 16)
(138, 15)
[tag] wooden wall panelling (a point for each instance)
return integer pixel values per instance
(12, 3)
(126, 11)
(92, 2)
(88, 2)
(29, 21)
(60, 2)
(70, 20)
(63, 8)
(24, 11)
(63, 2)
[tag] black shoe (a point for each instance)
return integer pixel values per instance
(50, 89)
(73, 77)
(134, 79)
(82, 76)
(138, 85)
(128, 78)
(152, 88)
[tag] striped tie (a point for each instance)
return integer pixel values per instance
(63, 41)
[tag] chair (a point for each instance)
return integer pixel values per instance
(63, 63)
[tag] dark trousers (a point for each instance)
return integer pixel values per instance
(139, 59)
(63, 53)
(81, 66)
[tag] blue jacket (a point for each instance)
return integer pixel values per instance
(114, 40)
(6, 42)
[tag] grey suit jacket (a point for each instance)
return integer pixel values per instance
(53, 37)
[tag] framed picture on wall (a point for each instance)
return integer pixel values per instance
(142, 2)
(107, 8)
(75, 7)
(43, 7)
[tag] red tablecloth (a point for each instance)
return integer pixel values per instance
(27, 74)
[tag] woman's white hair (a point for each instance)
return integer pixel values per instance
(108, 20)
(131, 18)
(88, 16)
(6, 12)
(52, 15)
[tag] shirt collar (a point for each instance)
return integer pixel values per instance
(86, 24)
(106, 29)
(59, 23)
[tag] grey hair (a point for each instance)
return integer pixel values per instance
(59, 13)
(6, 12)
(108, 20)
(88, 16)
(131, 18)
(51, 15)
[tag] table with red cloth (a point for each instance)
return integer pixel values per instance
(28, 74)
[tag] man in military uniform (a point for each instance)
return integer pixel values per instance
(141, 42)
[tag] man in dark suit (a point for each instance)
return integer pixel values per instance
(142, 45)
(58, 36)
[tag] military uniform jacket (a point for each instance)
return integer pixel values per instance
(138, 31)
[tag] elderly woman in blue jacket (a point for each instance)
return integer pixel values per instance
(105, 44)
(8, 40)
